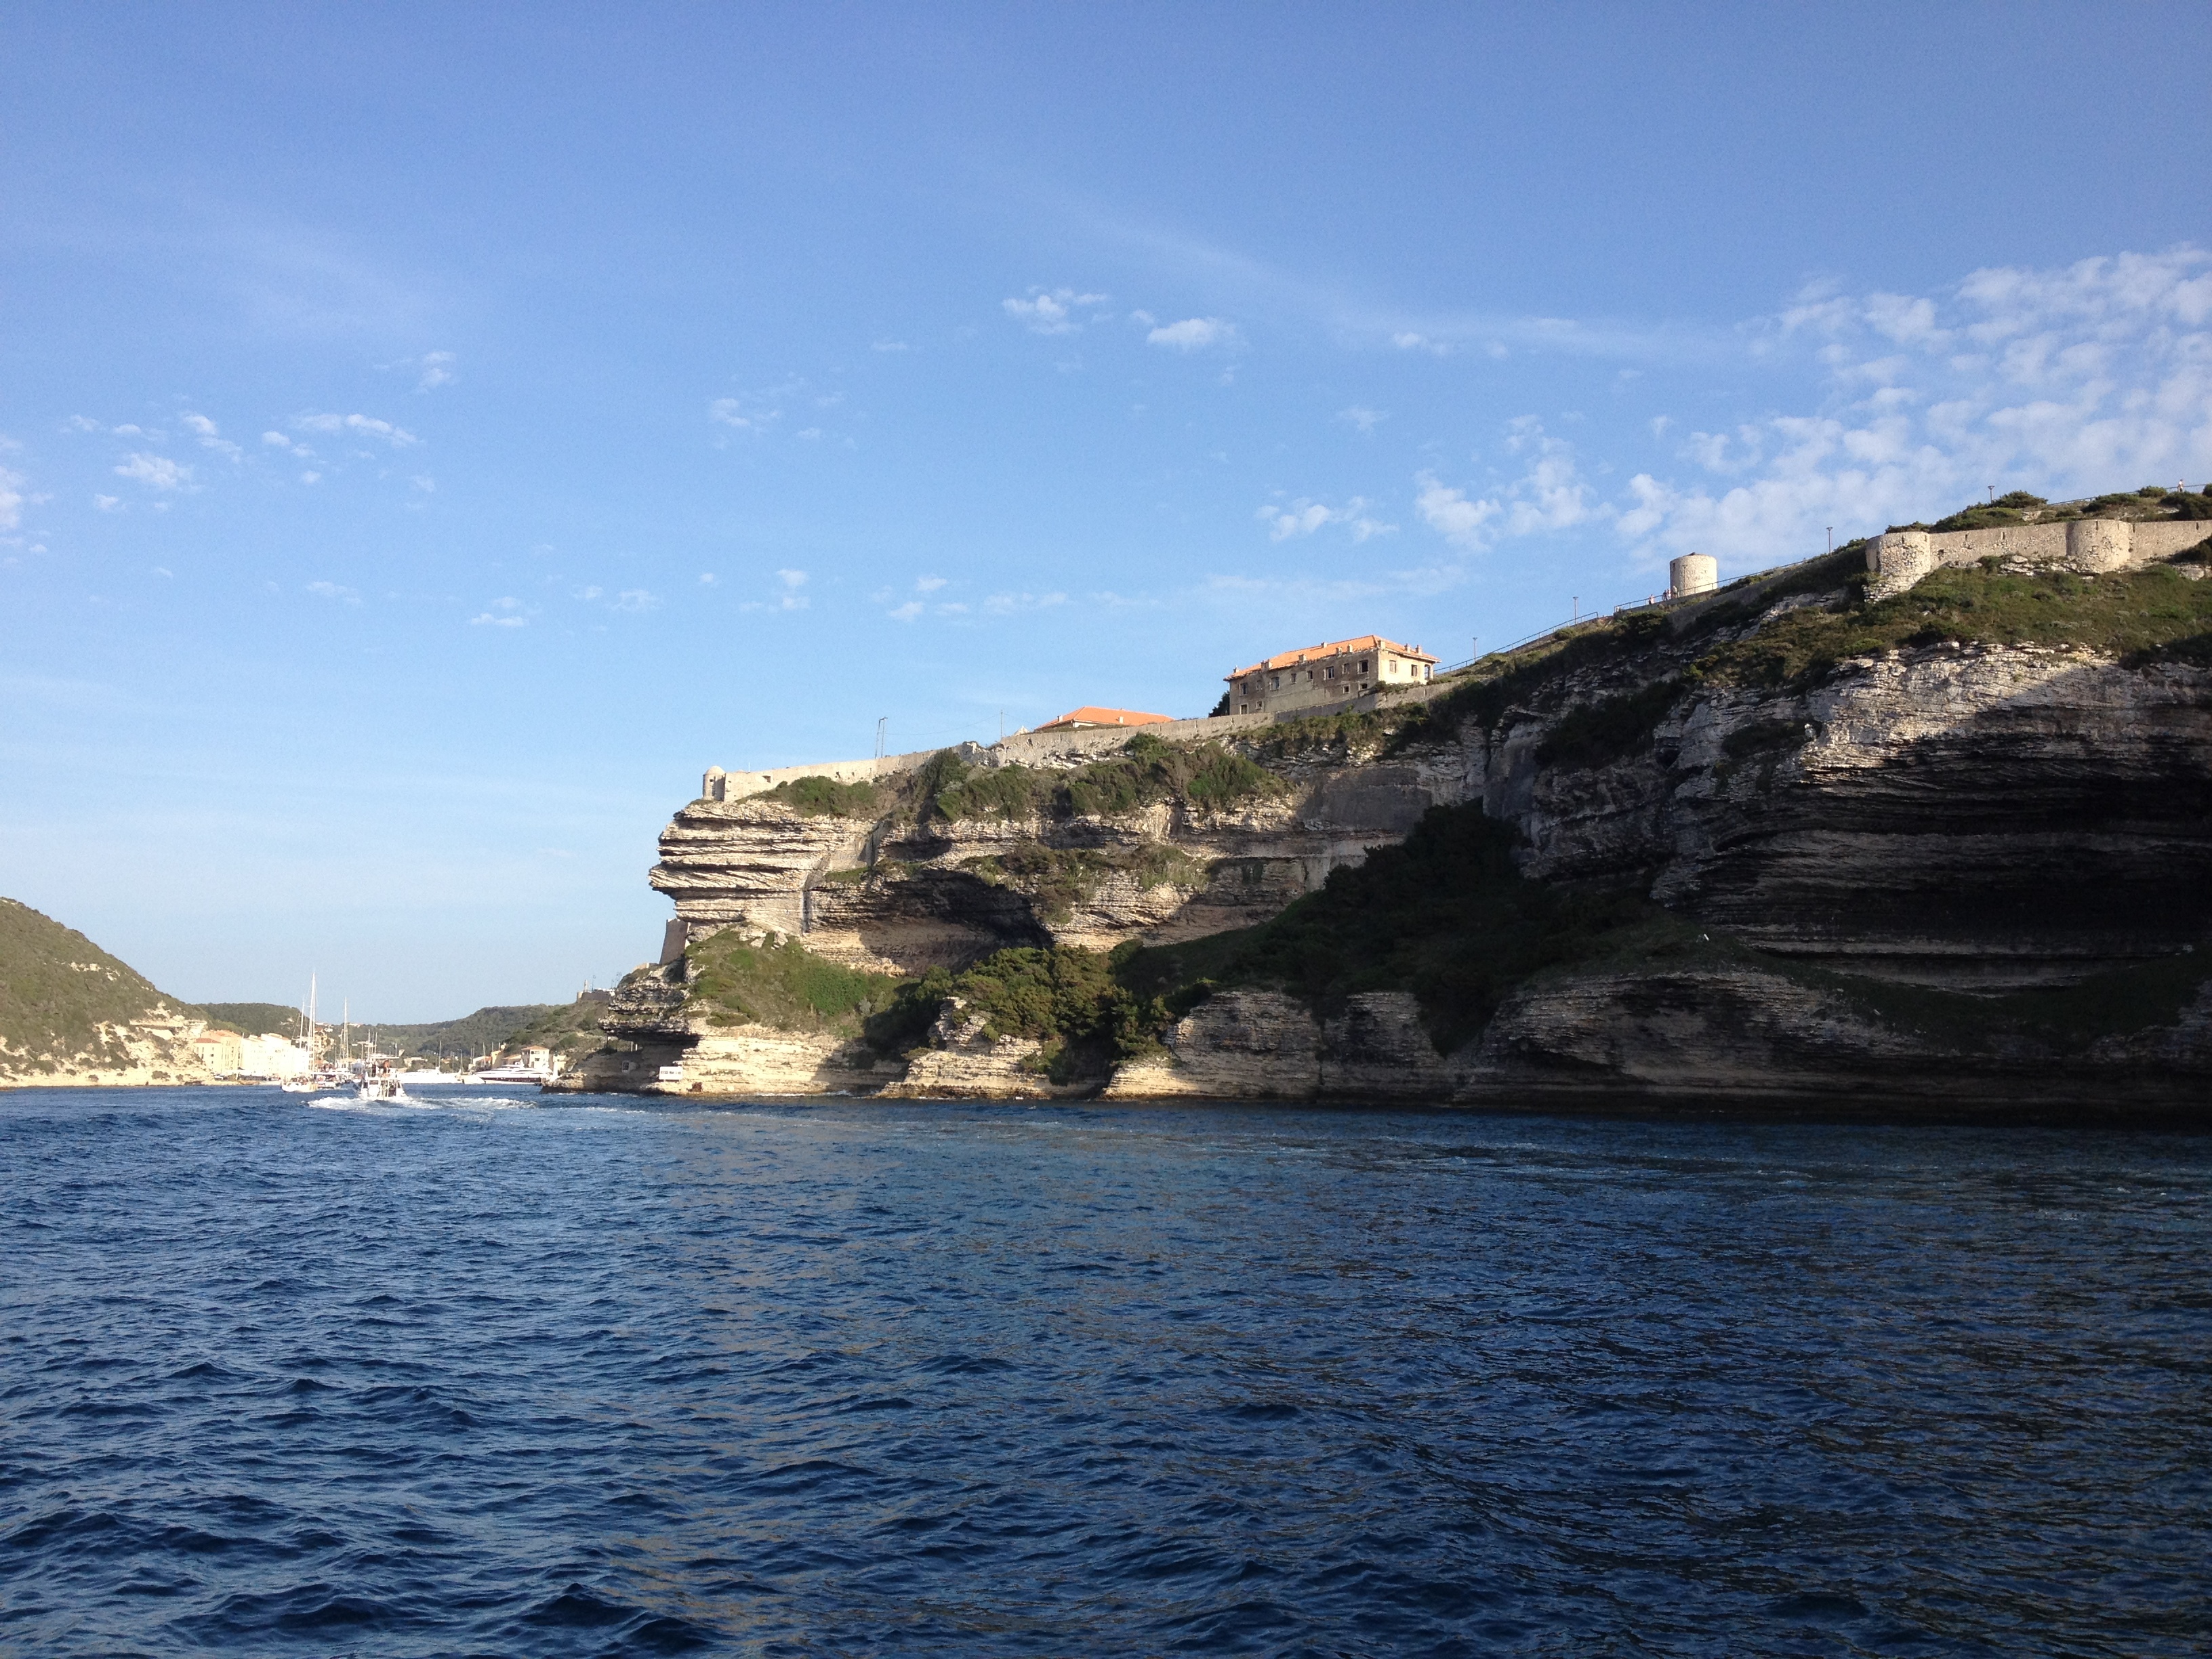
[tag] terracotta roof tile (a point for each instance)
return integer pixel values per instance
(1332, 649)
(1090, 715)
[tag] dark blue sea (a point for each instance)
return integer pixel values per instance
(602, 1378)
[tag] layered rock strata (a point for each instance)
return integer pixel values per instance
(1976, 819)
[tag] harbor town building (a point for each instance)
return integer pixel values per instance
(1334, 672)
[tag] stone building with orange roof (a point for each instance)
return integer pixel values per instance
(1336, 672)
(1089, 717)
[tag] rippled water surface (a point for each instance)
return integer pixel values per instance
(841, 1379)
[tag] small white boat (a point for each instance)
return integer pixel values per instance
(530, 1074)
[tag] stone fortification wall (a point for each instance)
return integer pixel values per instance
(718, 785)
(1902, 558)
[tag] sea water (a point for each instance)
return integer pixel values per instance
(607, 1377)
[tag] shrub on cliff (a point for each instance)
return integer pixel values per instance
(818, 797)
(1058, 878)
(2139, 615)
(780, 982)
(1204, 777)
(1446, 914)
(1073, 1003)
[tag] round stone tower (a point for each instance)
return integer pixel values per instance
(1693, 573)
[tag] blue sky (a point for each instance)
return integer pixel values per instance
(434, 435)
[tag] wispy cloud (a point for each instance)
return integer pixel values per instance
(505, 612)
(209, 435)
(636, 601)
(1194, 334)
(1009, 604)
(435, 369)
(11, 499)
(156, 473)
(1361, 418)
(2063, 381)
(363, 426)
(1054, 311)
(1549, 495)
(335, 591)
(1451, 514)
(1302, 517)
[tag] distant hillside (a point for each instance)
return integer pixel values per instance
(572, 1031)
(70, 1012)
(253, 1018)
(482, 1032)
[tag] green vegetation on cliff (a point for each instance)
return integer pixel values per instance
(1445, 915)
(58, 989)
(778, 982)
(1205, 777)
(819, 797)
(1058, 878)
(2144, 616)
(1075, 1003)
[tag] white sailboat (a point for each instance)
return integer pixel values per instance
(317, 1077)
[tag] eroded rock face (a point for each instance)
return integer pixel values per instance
(1980, 818)
(895, 897)
(1948, 815)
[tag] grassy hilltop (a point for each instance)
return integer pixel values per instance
(63, 997)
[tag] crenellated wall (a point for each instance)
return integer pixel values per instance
(1900, 558)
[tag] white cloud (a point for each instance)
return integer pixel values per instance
(437, 368)
(637, 600)
(1408, 341)
(2066, 381)
(1549, 495)
(335, 591)
(11, 499)
(1005, 604)
(589, 593)
(811, 433)
(164, 571)
(103, 503)
(310, 477)
(209, 435)
(1364, 419)
(791, 599)
(706, 579)
(424, 482)
(156, 473)
(1053, 311)
(82, 423)
(505, 612)
(928, 584)
(735, 413)
(1194, 334)
(1451, 514)
(1303, 517)
(366, 426)
(889, 345)
(907, 611)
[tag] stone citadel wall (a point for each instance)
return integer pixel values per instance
(1900, 558)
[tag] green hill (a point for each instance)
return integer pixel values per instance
(253, 1018)
(63, 997)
